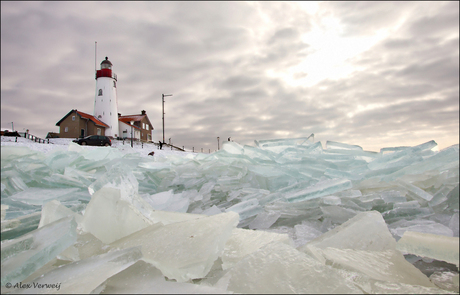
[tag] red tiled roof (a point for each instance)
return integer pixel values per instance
(85, 116)
(92, 118)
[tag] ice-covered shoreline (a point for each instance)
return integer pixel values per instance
(291, 200)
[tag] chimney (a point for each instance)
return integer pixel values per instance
(143, 112)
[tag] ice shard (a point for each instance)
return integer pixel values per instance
(243, 242)
(184, 250)
(428, 245)
(278, 268)
(152, 281)
(322, 188)
(24, 255)
(109, 218)
(54, 210)
(386, 265)
(365, 231)
(84, 276)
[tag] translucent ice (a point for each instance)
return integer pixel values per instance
(84, 276)
(184, 250)
(280, 268)
(109, 218)
(429, 245)
(24, 255)
(243, 242)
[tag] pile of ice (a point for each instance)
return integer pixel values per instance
(283, 216)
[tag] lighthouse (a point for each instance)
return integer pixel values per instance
(105, 101)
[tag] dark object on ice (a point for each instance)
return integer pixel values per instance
(161, 145)
(8, 133)
(94, 140)
(151, 153)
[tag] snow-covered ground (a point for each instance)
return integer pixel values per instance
(62, 144)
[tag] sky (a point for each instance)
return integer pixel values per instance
(373, 74)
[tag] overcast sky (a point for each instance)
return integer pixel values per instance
(374, 74)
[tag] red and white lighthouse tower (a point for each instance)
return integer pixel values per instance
(105, 102)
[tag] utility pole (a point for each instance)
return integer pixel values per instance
(163, 112)
(218, 143)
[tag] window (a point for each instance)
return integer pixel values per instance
(66, 129)
(73, 118)
(98, 131)
(114, 84)
(147, 126)
(143, 125)
(100, 92)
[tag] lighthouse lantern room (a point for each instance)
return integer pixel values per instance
(105, 102)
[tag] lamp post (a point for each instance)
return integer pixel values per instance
(132, 122)
(163, 107)
(218, 143)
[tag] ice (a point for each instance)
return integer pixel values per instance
(365, 231)
(184, 250)
(320, 189)
(109, 218)
(430, 245)
(54, 210)
(40, 196)
(278, 268)
(85, 276)
(168, 201)
(152, 281)
(343, 207)
(243, 242)
(22, 256)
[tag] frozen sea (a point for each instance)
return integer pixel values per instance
(280, 216)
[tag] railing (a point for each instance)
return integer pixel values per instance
(36, 138)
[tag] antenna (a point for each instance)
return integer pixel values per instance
(95, 56)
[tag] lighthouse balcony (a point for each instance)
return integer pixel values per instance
(106, 73)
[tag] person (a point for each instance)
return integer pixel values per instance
(161, 145)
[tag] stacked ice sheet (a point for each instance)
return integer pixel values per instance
(283, 216)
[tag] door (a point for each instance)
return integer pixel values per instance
(82, 133)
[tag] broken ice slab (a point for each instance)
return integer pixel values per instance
(243, 242)
(168, 201)
(86, 246)
(24, 255)
(260, 155)
(4, 208)
(415, 192)
(40, 196)
(267, 143)
(387, 265)
(184, 250)
(432, 246)
(365, 231)
(322, 188)
(84, 276)
(54, 210)
(446, 280)
(152, 281)
(246, 208)
(109, 217)
(278, 268)
(342, 146)
(232, 147)
(117, 177)
(419, 225)
(264, 220)
(337, 214)
(445, 159)
(16, 227)
(407, 213)
(58, 160)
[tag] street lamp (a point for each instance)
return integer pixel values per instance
(132, 122)
(163, 106)
(218, 143)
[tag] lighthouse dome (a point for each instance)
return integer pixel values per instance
(106, 64)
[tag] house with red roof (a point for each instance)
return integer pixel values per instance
(77, 124)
